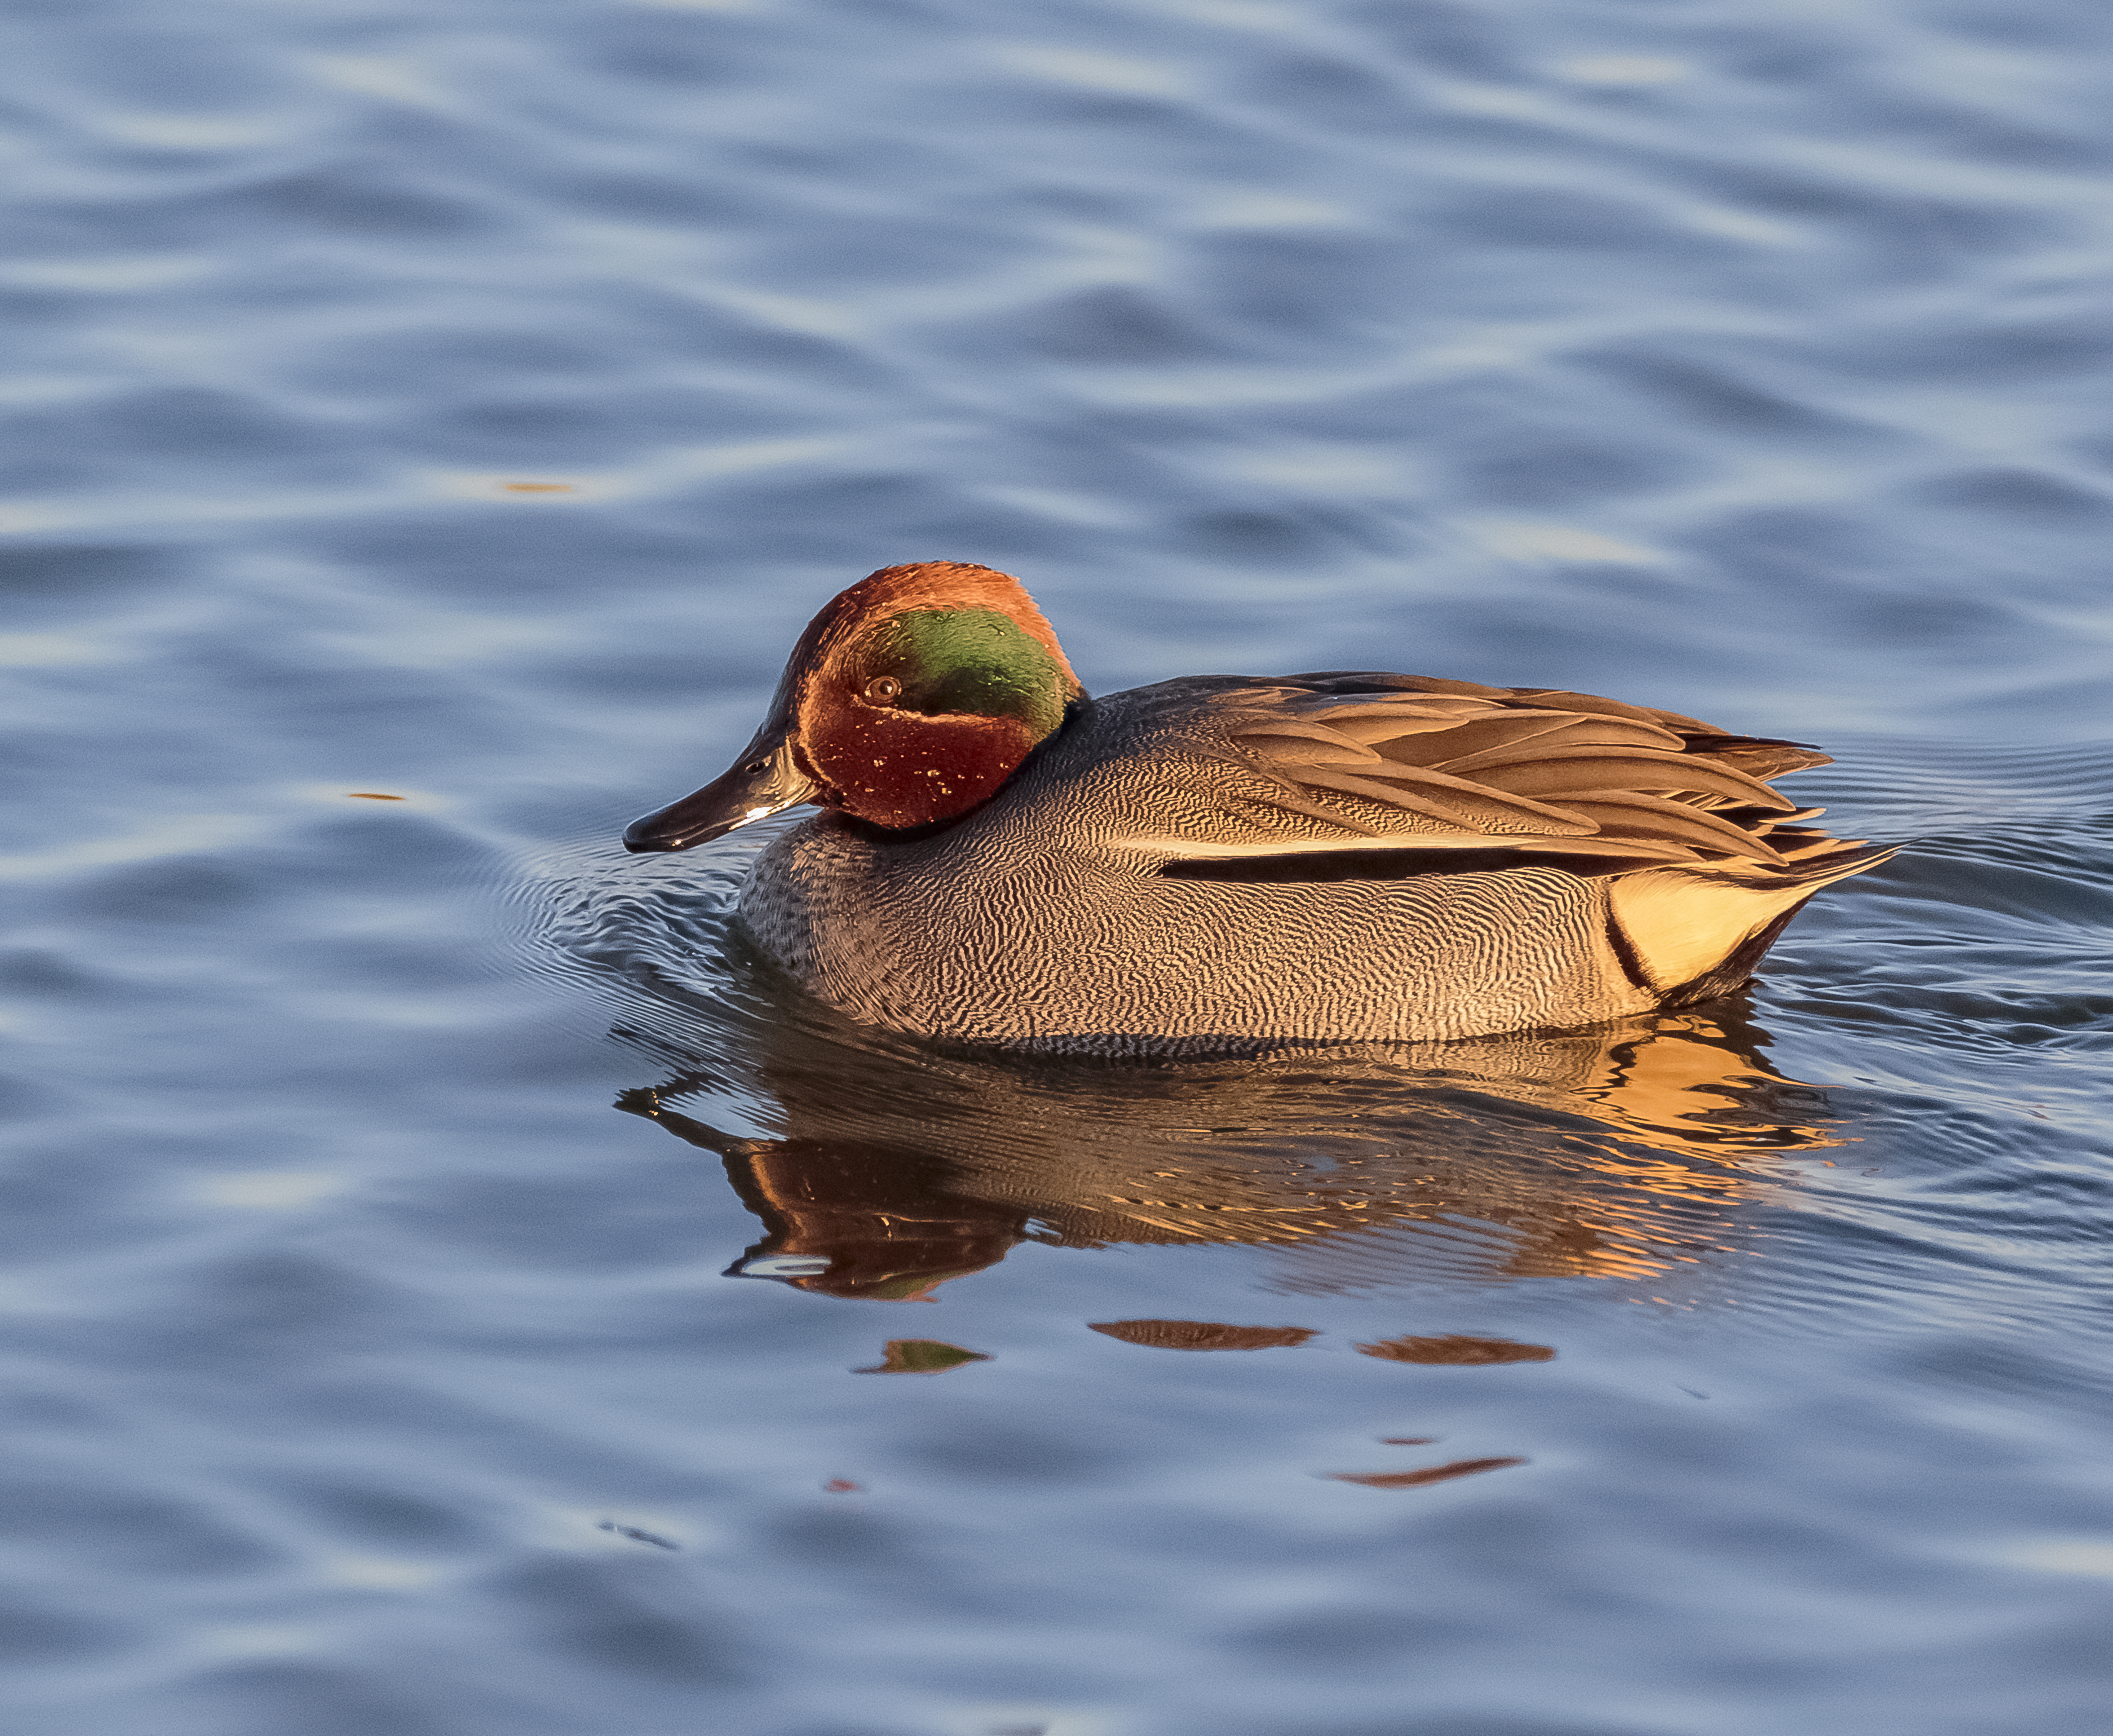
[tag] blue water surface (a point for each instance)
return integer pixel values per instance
(439, 1258)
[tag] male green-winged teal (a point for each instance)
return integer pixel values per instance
(1218, 860)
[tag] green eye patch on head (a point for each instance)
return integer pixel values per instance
(970, 660)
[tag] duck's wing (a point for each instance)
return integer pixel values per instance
(1445, 776)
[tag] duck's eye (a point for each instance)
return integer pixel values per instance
(882, 690)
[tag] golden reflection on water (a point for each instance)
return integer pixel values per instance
(921, 1356)
(1454, 1350)
(1203, 1335)
(1617, 1153)
(1422, 1479)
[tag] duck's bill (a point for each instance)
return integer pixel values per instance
(766, 781)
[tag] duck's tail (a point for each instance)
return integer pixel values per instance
(1692, 933)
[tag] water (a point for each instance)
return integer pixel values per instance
(466, 404)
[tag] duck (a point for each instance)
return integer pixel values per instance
(1218, 861)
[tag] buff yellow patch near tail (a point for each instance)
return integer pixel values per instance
(1682, 925)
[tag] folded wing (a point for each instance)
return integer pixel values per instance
(1391, 762)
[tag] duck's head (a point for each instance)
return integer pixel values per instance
(907, 701)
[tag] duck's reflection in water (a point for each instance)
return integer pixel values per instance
(1620, 1152)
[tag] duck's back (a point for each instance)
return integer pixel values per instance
(1219, 860)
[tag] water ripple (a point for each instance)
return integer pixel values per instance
(466, 406)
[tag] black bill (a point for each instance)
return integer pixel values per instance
(764, 782)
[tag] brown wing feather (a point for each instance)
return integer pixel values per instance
(1376, 760)
(1759, 756)
(1461, 805)
(1581, 768)
(1561, 698)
